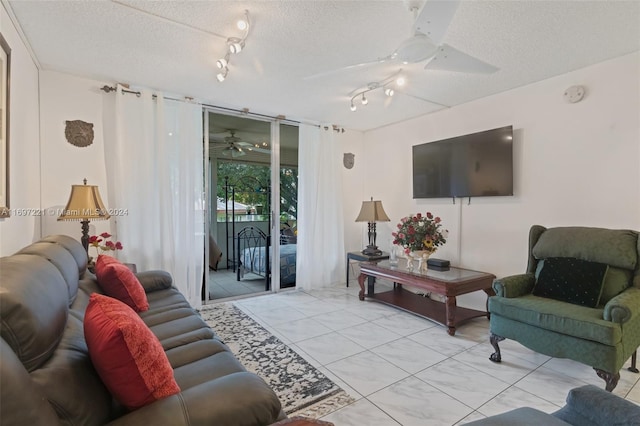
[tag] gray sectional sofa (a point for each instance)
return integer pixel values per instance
(46, 373)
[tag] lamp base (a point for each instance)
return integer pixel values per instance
(85, 235)
(372, 251)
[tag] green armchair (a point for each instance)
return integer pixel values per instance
(546, 309)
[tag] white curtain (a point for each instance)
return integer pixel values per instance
(154, 160)
(320, 254)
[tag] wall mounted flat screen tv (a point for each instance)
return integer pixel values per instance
(475, 165)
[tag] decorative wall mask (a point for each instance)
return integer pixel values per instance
(79, 133)
(348, 160)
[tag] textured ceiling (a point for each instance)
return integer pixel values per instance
(136, 42)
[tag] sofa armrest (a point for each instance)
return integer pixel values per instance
(154, 280)
(239, 399)
(624, 306)
(514, 285)
(590, 405)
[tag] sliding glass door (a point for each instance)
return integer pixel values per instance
(246, 199)
(288, 196)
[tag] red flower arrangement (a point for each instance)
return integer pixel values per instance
(420, 233)
(103, 244)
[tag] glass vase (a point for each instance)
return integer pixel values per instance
(393, 256)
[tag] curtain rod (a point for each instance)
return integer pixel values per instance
(245, 111)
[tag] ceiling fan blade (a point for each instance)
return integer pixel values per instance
(233, 152)
(252, 147)
(258, 150)
(450, 59)
(434, 18)
(423, 99)
(348, 68)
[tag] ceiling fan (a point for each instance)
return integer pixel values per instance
(425, 44)
(237, 147)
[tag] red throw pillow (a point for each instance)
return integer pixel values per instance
(106, 260)
(117, 280)
(128, 357)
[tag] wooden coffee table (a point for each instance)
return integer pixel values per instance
(449, 283)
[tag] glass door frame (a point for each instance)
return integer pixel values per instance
(275, 205)
(274, 221)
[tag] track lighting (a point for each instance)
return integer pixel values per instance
(222, 75)
(222, 63)
(388, 91)
(234, 45)
(242, 24)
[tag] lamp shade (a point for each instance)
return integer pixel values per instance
(372, 211)
(84, 203)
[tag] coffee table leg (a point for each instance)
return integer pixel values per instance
(451, 314)
(361, 279)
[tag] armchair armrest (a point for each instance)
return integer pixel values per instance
(154, 280)
(514, 285)
(590, 405)
(239, 399)
(623, 307)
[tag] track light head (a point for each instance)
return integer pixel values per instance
(364, 100)
(243, 23)
(222, 63)
(389, 92)
(353, 106)
(235, 44)
(401, 81)
(222, 75)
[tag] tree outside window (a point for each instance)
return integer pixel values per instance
(251, 183)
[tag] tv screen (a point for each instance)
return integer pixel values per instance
(475, 165)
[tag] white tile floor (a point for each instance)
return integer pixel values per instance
(223, 284)
(403, 369)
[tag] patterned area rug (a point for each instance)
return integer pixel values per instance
(302, 389)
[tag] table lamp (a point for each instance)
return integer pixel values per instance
(84, 204)
(372, 212)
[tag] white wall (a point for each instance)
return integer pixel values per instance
(64, 97)
(574, 164)
(352, 189)
(24, 161)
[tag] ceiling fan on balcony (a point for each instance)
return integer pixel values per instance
(426, 43)
(233, 146)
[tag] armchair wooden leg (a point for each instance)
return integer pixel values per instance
(610, 379)
(633, 367)
(494, 339)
